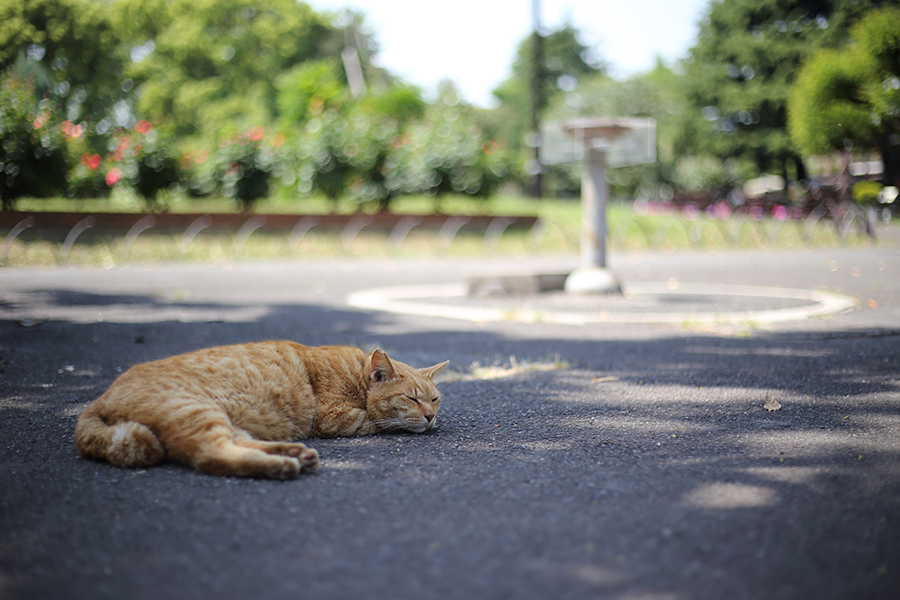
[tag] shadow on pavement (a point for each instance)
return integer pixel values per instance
(646, 467)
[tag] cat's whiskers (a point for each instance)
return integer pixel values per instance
(394, 424)
(413, 424)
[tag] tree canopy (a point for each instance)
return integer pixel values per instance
(740, 72)
(566, 61)
(67, 47)
(205, 63)
(247, 98)
(850, 96)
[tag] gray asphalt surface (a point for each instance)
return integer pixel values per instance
(644, 466)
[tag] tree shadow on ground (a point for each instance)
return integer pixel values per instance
(645, 467)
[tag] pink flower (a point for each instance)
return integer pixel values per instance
(71, 131)
(41, 120)
(143, 127)
(113, 176)
(91, 161)
(256, 134)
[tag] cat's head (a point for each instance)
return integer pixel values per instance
(400, 397)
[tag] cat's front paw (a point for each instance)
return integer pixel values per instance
(284, 468)
(307, 457)
(309, 460)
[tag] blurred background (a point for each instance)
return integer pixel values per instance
(771, 109)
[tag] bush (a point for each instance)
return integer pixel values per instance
(369, 150)
(705, 175)
(447, 152)
(32, 145)
(143, 158)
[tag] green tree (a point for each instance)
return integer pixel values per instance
(740, 72)
(308, 87)
(850, 97)
(566, 61)
(67, 48)
(209, 64)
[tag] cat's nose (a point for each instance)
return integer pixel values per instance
(429, 418)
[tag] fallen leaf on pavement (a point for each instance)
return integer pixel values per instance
(771, 404)
(28, 322)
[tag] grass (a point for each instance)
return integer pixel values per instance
(557, 233)
(499, 369)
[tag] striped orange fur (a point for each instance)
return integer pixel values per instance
(237, 410)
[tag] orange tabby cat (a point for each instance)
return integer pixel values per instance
(232, 410)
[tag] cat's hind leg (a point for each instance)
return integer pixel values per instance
(124, 444)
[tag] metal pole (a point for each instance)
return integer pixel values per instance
(592, 276)
(593, 209)
(537, 96)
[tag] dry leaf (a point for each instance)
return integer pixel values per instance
(28, 322)
(771, 404)
(604, 379)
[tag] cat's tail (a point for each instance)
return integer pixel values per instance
(125, 444)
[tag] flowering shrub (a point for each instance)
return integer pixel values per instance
(358, 149)
(86, 176)
(447, 152)
(347, 154)
(144, 159)
(238, 166)
(372, 157)
(32, 145)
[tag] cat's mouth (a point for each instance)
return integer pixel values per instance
(410, 424)
(420, 425)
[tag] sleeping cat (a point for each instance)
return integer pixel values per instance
(233, 410)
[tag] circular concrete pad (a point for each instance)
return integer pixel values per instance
(644, 302)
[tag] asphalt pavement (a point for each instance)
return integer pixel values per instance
(586, 447)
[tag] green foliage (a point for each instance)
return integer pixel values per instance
(247, 162)
(878, 37)
(151, 165)
(566, 61)
(866, 192)
(32, 146)
(67, 47)
(385, 144)
(402, 102)
(202, 63)
(705, 175)
(448, 152)
(242, 100)
(828, 108)
(851, 97)
(741, 70)
(345, 150)
(309, 88)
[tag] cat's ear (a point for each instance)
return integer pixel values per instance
(380, 367)
(432, 371)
